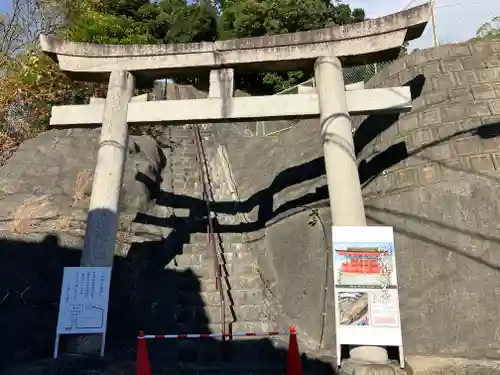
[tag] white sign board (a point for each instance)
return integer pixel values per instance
(366, 288)
(83, 308)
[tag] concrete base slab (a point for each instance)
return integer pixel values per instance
(370, 354)
(352, 367)
(430, 365)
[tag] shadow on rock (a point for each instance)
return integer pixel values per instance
(144, 296)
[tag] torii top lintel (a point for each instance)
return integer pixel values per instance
(365, 42)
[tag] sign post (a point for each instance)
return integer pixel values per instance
(83, 308)
(366, 288)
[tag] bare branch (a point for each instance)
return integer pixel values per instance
(26, 21)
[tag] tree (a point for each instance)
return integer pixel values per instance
(99, 21)
(249, 18)
(489, 30)
(26, 21)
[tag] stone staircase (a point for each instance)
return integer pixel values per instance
(197, 306)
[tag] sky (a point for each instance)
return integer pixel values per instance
(5, 5)
(456, 20)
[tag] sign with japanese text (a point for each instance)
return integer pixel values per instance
(366, 287)
(83, 307)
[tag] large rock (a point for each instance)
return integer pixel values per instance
(46, 185)
(44, 196)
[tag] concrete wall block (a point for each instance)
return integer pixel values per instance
(439, 151)
(460, 111)
(406, 177)
(447, 130)
(488, 75)
(492, 61)
(414, 159)
(449, 169)
(431, 116)
(429, 173)
(495, 107)
(461, 94)
(466, 77)
(482, 162)
(469, 124)
(431, 69)
(435, 97)
(420, 138)
(467, 146)
(443, 81)
(495, 157)
(452, 65)
(484, 91)
(459, 50)
(385, 183)
(481, 48)
(408, 123)
(472, 63)
(490, 144)
(496, 87)
(417, 58)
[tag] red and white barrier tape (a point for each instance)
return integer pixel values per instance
(213, 335)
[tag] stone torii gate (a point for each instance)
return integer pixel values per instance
(325, 50)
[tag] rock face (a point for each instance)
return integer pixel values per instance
(433, 174)
(46, 185)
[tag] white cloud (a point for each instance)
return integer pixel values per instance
(456, 20)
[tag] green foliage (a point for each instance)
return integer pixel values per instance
(180, 21)
(489, 30)
(34, 83)
(313, 217)
(247, 18)
(94, 21)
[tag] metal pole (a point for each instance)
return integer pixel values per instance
(433, 21)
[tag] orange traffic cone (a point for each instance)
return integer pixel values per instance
(293, 363)
(143, 367)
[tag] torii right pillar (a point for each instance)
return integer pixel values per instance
(344, 188)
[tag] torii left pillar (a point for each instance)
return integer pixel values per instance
(103, 216)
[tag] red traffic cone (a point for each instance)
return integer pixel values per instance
(293, 363)
(143, 367)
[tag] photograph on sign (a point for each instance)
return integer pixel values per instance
(353, 308)
(84, 300)
(364, 265)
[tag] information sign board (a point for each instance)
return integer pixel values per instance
(366, 288)
(83, 307)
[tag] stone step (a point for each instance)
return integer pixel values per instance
(240, 326)
(207, 257)
(197, 238)
(238, 297)
(198, 317)
(189, 283)
(206, 271)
